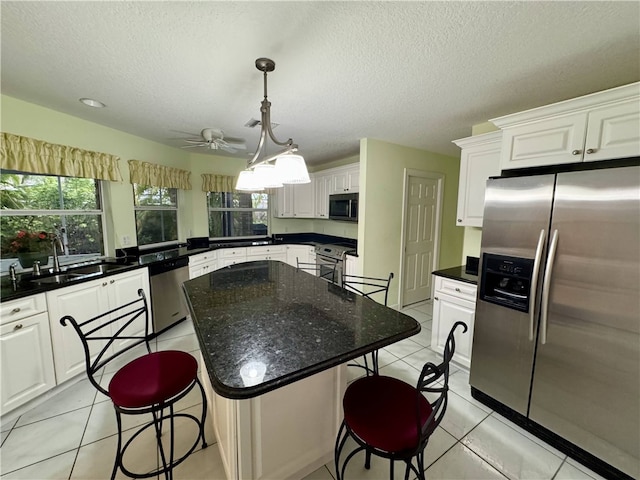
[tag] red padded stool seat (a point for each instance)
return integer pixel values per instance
(375, 409)
(152, 379)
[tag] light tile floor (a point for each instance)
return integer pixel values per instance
(72, 435)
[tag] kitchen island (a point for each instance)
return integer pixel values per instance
(274, 341)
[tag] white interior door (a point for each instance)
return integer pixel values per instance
(421, 230)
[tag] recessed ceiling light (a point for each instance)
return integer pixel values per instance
(90, 102)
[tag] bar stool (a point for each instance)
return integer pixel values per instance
(391, 419)
(149, 384)
(367, 287)
(328, 272)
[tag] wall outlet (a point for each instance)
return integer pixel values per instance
(126, 240)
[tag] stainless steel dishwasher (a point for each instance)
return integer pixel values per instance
(168, 303)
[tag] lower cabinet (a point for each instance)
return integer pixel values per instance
(453, 301)
(26, 357)
(298, 252)
(85, 301)
(203, 263)
(270, 252)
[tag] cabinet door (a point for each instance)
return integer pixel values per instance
(339, 182)
(353, 179)
(303, 200)
(613, 131)
(284, 201)
(123, 289)
(321, 191)
(546, 142)
(26, 360)
(297, 252)
(82, 302)
(196, 271)
(477, 164)
(351, 265)
(447, 310)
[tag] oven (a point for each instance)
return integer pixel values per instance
(330, 261)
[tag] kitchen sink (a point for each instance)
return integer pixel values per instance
(94, 269)
(59, 278)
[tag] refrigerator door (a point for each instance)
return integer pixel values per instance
(516, 211)
(587, 372)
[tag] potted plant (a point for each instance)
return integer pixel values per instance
(31, 247)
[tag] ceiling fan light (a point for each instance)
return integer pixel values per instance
(292, 169)
(248, 182)
(267, 176)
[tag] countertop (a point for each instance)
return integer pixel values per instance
(292, 322)
(23, 287)
(458, 273)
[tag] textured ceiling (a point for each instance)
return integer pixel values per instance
(418, 74)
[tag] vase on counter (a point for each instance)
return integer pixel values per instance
(26, 259)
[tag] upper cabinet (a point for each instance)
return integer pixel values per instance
(600, 126)
(346, 179)
(479, 160)
(322, 187)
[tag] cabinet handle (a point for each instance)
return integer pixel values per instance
(591, 150)
(459, 220)
(104, 284)
(436, 298)
(457, 289)
(18, 326)
(15, 310)
(576, 152)
(112, 281)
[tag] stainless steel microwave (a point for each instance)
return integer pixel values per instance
(343, 206)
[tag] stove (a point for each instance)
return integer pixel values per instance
(330, 261)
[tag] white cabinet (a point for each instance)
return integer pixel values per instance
(600, 126)
(203, 263)
(231, 256)
(26, 356)
(298, 252)
(453, 301)
(351, 265)
(295, 201)
(322, 187)
(267, 252)
(84, 301)
(346, 179)
(479, 160)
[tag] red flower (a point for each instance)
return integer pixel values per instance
(29, 242)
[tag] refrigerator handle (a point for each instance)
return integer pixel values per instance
(534, 282)
(546, 283)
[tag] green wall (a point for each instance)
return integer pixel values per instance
(29, 120)
(382, 168)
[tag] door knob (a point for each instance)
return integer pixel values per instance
(591, 150)
(576, 152)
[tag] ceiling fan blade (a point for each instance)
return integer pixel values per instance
(193, 140)
(192, 146)
(228, 148)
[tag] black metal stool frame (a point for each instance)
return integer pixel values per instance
(132, 312)
(381, 285)
(430, 374)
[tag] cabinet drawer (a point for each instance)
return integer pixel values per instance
(22, 308)
(232, 252)
(458, 289)
(203, 258)
(267, 250)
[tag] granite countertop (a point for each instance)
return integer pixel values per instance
(458, 273)
(293, 323)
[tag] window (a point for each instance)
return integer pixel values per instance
(46, 203)
(156, 210)
(235, 214)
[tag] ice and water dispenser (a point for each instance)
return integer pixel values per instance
(506, 281)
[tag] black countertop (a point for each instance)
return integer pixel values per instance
(458, 273)
(292, 322)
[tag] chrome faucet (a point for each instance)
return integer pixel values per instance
(57, 243)
(12, 272)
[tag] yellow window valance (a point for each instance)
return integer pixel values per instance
(218, 183)
(26, 154)
(145, 173)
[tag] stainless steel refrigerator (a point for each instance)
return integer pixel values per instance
(557, 328)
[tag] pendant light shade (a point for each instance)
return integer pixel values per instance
(248, 182)
(292, 169)
(266, 175)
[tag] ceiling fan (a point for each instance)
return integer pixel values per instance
(215, 139)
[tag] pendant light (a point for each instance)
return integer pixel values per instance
(288, 168)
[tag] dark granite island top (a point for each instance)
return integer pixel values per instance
(293, 323)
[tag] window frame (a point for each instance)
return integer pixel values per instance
(65, 257)
(238, 209)
(137, 208)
